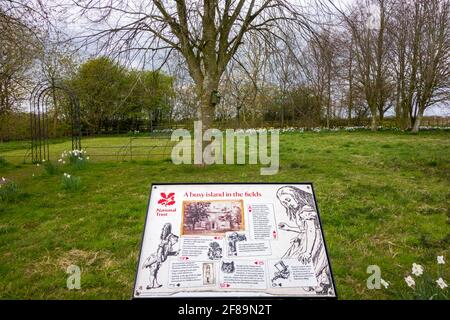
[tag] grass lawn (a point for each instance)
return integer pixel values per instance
(383, 197)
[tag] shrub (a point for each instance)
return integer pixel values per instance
(9, 191)
(50, 168)
(3, 162)
(70, 183)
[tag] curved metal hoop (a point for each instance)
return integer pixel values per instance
(39, 101)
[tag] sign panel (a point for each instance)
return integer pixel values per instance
(225, 240)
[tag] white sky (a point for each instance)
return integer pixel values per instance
(72, 24)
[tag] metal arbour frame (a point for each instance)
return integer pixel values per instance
(39, 102)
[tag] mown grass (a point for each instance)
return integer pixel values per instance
(383, 198)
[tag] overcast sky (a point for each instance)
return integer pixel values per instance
(72, 24)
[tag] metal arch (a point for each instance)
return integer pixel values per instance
(39, 101)
(37, 143)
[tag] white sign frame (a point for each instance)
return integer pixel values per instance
(187, 252)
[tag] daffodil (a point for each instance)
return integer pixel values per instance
(384, 283)
(441, 283)
(410, 281)
(417, 269)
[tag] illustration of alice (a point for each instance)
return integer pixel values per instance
(307, 246)
(165, 249)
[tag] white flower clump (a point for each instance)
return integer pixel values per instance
(253, 131)
(78, 154)
(244, 131)
(433, 128)
(163, 131)
(305, 129)
(354, 128)
(290, 129)
(67, 175)
(418, 270)
(334, 129)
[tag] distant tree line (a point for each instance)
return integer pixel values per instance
(368, 59)
(333, 64)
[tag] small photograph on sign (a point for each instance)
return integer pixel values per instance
(212, 217)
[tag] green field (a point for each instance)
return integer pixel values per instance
(383, 198)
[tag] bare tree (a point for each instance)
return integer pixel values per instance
(319, 67)
(19, 44)
(285, 72)
(368, 34)
(57, 62)
(433, 80)
(207, 34)
(419, 33)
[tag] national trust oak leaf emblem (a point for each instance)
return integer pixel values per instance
(167, 199)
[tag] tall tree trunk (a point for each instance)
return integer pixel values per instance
(374, 123)
(379, 83)
(417, 121)
(381, 116)
(207, 107)
(406, 119)
(374, 114)
(350, 100)
(329, 98)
